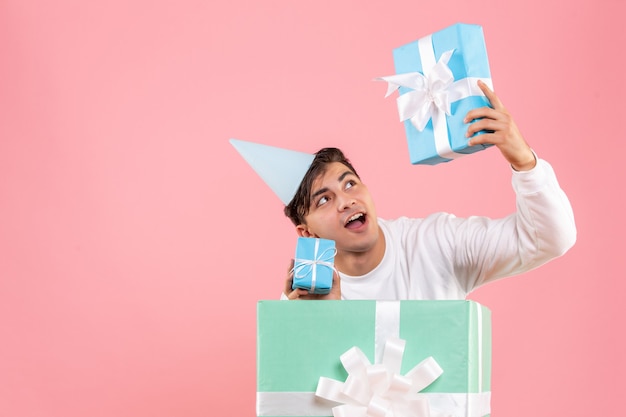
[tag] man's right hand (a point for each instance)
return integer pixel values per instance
(302, 294)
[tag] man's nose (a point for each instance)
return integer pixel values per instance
(345, 201)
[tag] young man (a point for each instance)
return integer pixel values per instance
(440, 256)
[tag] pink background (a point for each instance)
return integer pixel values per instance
(135, 242)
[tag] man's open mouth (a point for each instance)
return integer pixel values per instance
(356, 220)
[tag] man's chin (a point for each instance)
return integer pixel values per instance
(358, 245)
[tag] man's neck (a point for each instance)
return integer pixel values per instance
(360, 263)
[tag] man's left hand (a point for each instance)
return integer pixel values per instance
(502, 132)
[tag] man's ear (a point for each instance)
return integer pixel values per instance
(303, 231)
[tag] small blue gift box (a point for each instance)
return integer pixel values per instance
(314, 265)
(437, 78)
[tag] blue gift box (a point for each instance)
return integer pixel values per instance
(461, 48)
(314, 265)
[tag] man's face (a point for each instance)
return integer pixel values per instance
(341, 209)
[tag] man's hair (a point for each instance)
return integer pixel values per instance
(299, 205)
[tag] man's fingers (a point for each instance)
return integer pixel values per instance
(495, 112)
(483, 139)
(488, 125)
(289, 281)
(483, 113)
(302, 294)
(291, 293)
(493, 98)
(298, 293)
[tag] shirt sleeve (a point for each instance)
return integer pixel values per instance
(541, 229)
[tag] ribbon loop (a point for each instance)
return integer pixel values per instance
(425, 373)
(392, 356)
(378, 407)
(380, 390)
(430, 93)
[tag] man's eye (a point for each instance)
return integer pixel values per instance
(350, 184)
(322, 200)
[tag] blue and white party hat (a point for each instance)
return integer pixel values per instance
(281, 169)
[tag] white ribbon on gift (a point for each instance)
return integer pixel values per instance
(432, 94)
(306, 266)
(380, 390)
(387, 327)
(291, 403)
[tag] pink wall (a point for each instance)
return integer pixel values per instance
(135, 242)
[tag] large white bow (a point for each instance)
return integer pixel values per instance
(430, 94)
(380, 390)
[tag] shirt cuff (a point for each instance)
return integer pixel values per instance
(533, 180)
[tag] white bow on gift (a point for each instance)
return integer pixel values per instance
(380, 390)
(429, 95)
(432, 93)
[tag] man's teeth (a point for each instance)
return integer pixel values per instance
(354, 217)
